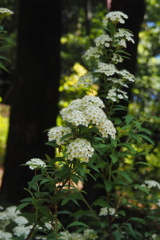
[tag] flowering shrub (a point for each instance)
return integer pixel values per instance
(93, 142)
(4, 40)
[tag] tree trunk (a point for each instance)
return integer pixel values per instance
(35, 93)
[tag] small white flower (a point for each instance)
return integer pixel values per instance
(90, 234)
(36, 163)
(75, 117)
(95, 115)
(5, 12)
(80, 148)
(103, 40)
(5, 235)
(94, 52)
(22, 230)
(116, 58)
(105, 211)
(152, 183)
(124, 34)
(115, 17)
(154, 236)
(107, 69)
(107, 128)
(92, 101)
(86, 80)
(20, 220)
(158, 203)
(56, 133)
(126, 75)
(74, 105)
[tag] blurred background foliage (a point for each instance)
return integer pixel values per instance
(81, 24)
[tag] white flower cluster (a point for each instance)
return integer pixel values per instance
(35, 163)
(80, 148)
(115, 17)
(56, 133)
(116, 58)
(115, 94)
(86, 80)
(105, 211)
(95, 52)
(107, 69)
(12, 219)
(5, 235)
(127, 75)
(124, 34)
(88, 234)
(87, 111)
(104, 40)
(8, 216)
(5, 12)
(158, 203)
(150, 184)
(70, 236)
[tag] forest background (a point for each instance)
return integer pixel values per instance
(49, 40)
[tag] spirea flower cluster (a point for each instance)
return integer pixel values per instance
(12, 219)
(80, 148)
(150, 184)
(106, 59)
(86, 80)
(88, 111)
(57, 133)
(10, 216)
(107, 211)
(88, 234)
(35, 163)
(115, 17)
(4, 12)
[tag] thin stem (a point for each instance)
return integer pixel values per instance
(87, 204)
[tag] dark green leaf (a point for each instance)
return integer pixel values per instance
(76, 223)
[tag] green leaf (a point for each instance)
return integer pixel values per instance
(114, 142)
(127, 145)
(93, 167)
(136, 219)
(68, 135)
(98, 185)
(156, 118)
(108, 185)
(101, 202)
(33, 183)
(118, 235)
(135, 136)
(3, 67)
(143, 163)
(147, 138)
(128, 119)
(67, 199)
(4, 58)
(76, 223)
(114, 157)
(22, 205)
(44, 210)
(143, 189)
(122, 213)
(124, 174)
(27, 200)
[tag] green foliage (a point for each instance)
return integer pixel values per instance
(3, 135)
(94, 145)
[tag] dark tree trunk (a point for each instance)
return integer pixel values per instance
(35, 93)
